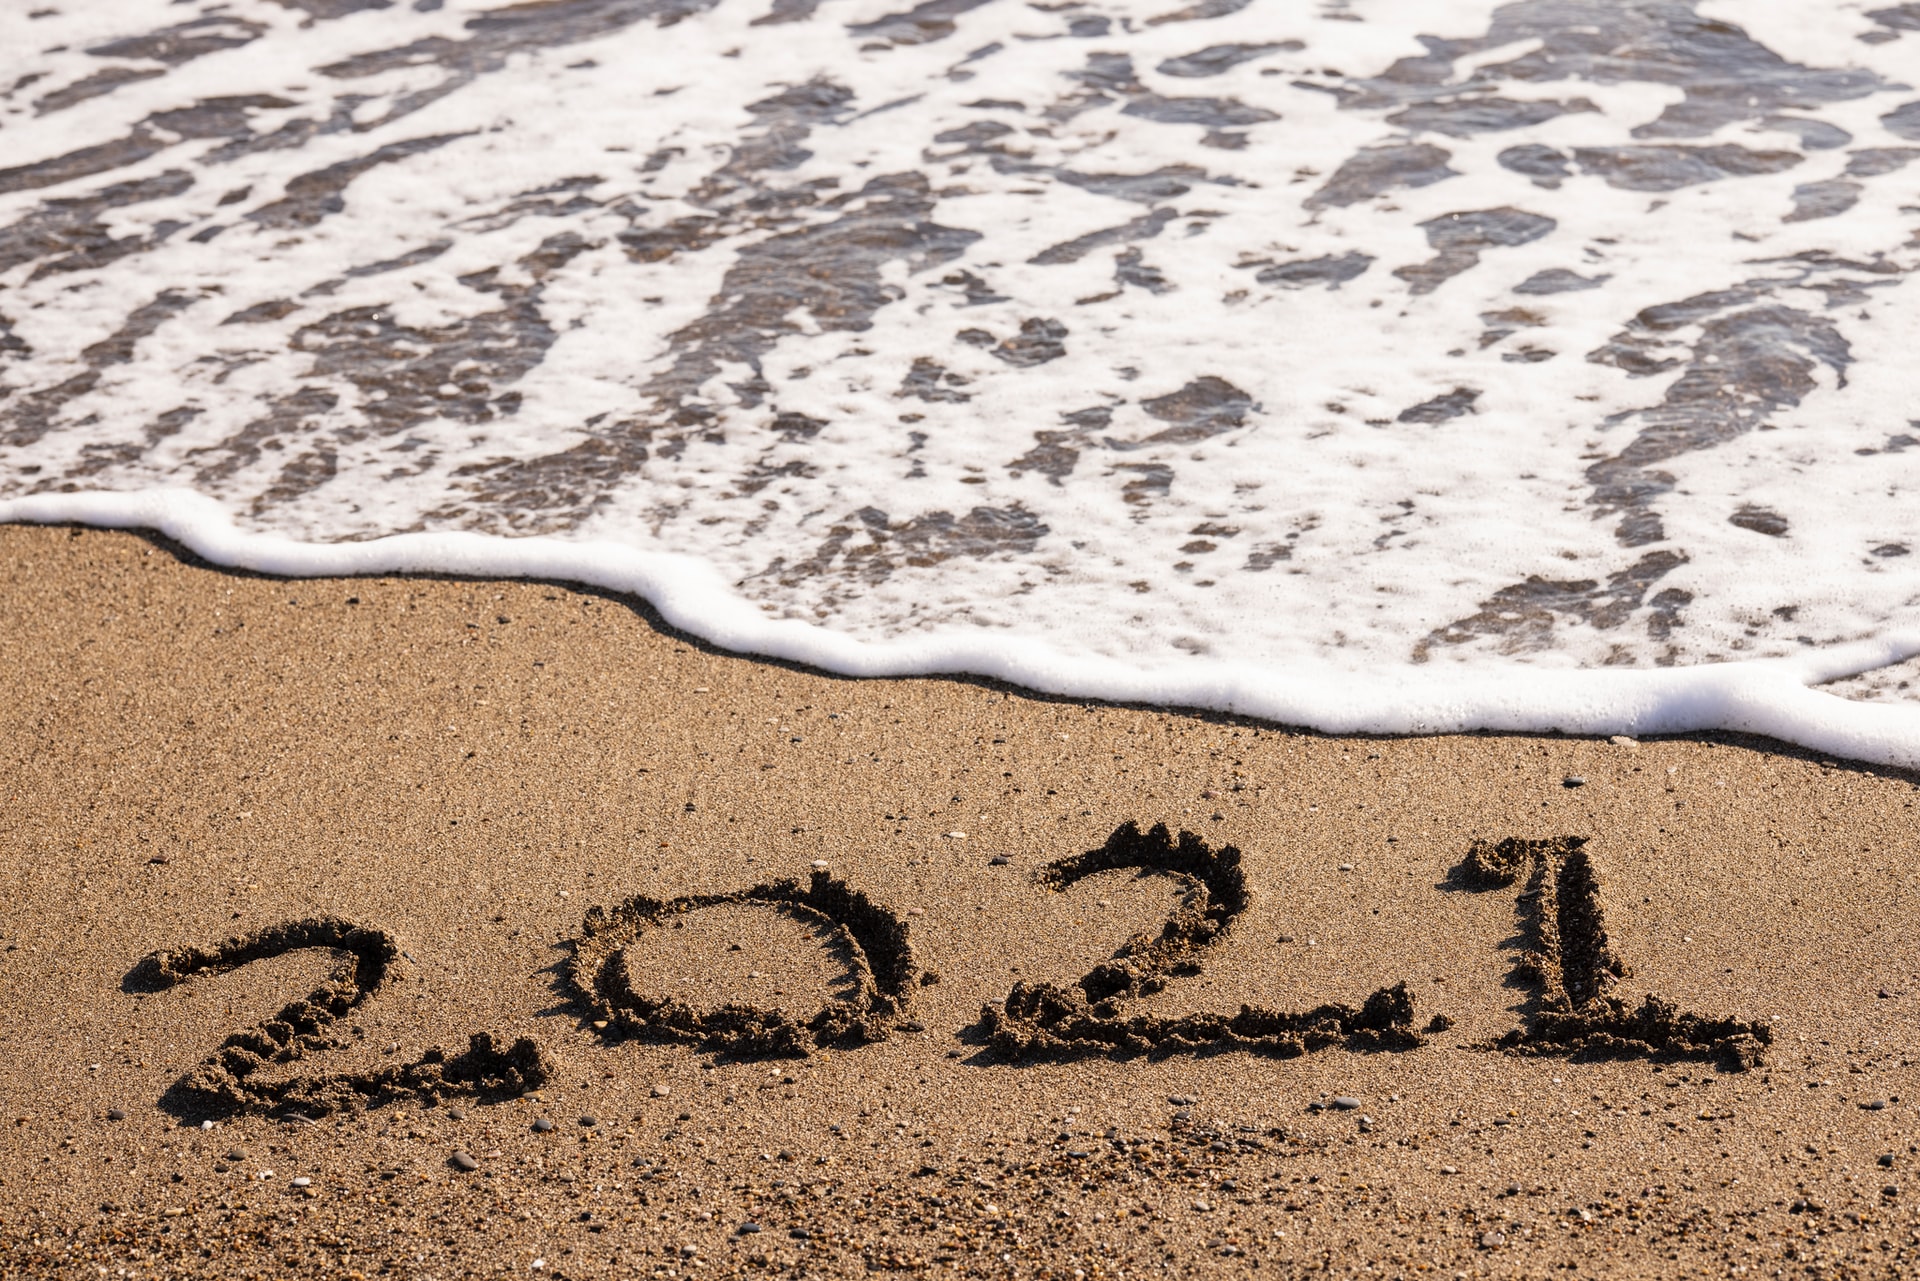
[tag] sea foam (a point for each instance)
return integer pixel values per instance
(1368, 365)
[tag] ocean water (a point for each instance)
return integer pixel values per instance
(1387, 365)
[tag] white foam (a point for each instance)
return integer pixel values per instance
(1769, 697)
(1321, 563)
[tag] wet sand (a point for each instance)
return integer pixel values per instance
(448, 777)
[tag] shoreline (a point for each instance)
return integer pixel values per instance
(469, 767)
(1770, 697)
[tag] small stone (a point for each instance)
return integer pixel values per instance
(1346, 867)
(589, 1121)
(800, 1234)
(749, 1229)
(1873, 1105)
(819, 865)
(956, 836)
(1181, 1100)
(999, 860)
(1345, 1102)
(264, 1175)
(455, 1114)
(1573, 780)
(688, 1251)
(541, 1125)
(1623, 740)
(303, 1182)
(661, 1091)
(1201, 1207)
(1891, 1190)
(1886, 1160)
(1488, 1240)
(463, 1160)
(1284, 938)
(115, 1114)
(236, 1154)
(1448, 1169)
(913, 1025)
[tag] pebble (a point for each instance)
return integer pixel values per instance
(1621, 740)
(1201, 1206)
(1873, 1105)
(800, 1234)
(1284, 938)
(541, 1125)
(913, 1025)
(236, 1154)
(1448, 1169)
(956, 836)
(749, 1229)
(1886, 1160)
(1346, 867)
(303, 1182)
(661, 1091)
(1490, 1239)
(1573, 780)
(589, 1121)
(1181, 1100)
(264, 1175)
(819, 865)
(999, 860)
(1891, 1190)
(463, 1160)
(115, 1114)
(455, 1114)
(1345, 1102)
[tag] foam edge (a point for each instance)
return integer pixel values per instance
(1768, 697)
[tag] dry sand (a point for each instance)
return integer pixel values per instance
(463, 770)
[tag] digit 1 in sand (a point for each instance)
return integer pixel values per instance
(1569, 963)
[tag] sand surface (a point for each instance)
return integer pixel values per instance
(447, 778)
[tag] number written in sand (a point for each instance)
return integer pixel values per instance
(1572, 969)
(1566, 958)
(233, 1079)
(869, 941)
(1042, 1020)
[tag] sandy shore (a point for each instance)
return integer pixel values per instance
(447, 777)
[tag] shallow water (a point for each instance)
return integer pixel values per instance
(1358, 363)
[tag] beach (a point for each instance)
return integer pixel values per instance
(464, 770)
